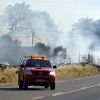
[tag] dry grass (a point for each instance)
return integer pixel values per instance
(10, 77)
(75, 70)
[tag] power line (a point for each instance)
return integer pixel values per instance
(59, 31)
(38, 29)
(67, 2)
(37, 38)
(53, 31)
(50, 31)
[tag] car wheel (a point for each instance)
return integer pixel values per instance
(20, 84)
(52, 86)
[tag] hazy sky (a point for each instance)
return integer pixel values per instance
(64, 12)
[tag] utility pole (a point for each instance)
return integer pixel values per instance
(32, 38)
(79, 56)
(69, 60)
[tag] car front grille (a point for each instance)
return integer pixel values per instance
(40, 73)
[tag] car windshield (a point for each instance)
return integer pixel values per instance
(38, 63)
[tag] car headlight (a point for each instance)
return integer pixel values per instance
(52, 73)
(28, 72)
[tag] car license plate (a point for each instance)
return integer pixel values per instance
(40, 80)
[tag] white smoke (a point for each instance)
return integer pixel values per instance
(84, 37)
(22, 22)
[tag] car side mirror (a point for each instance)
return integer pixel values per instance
(54, 66)
(22, 66)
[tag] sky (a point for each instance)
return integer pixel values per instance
(63, 12)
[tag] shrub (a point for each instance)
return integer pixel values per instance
(3, 80)
(83, 64)
(3, 67)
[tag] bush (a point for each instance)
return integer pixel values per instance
(3, 80)
(83, 64)
(16, 71)
(3, 67)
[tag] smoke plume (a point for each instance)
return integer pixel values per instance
(23, 22)
(17, 26)
(18, 23)
(84, 37)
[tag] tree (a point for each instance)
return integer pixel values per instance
(41, 48)
(17, 14)
(64, 53)
(57, 50)
(61, 53)
(6, 40)
(21, 20)
(17, 42)
(89, 58)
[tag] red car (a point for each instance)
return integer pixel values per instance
(36, 70)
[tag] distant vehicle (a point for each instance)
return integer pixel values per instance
(36, 70)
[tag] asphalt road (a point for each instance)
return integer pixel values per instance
(84, 88)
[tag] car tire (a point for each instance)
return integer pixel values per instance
(25, 85)
(20, 84)
(52, 86)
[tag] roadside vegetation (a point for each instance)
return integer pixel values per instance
(9, 75)
(76, 70)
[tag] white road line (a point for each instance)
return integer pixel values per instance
(38, 98)
(57, 94)
(83, 88)
(61, 81)
(61, 93)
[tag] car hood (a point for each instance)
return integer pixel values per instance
(39, 69)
